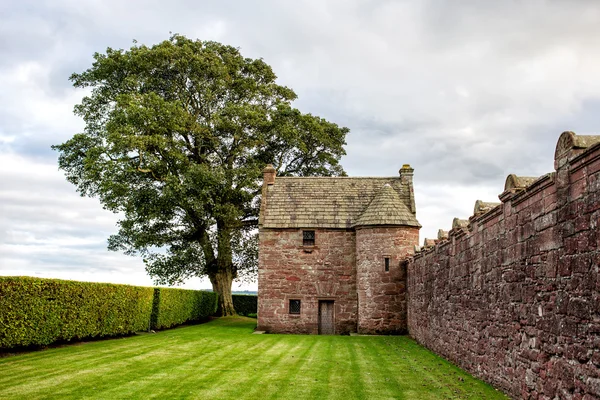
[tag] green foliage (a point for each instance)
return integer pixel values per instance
(177, 306)
(176, 136)
(252, 315)
(245, 304)
(36, 311)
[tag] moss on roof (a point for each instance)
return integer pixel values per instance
(387, 208)
(325, 202)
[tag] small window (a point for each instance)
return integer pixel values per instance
(386, 262)
(308, 238)
(294, 306)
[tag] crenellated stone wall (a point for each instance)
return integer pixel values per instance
(513, 294)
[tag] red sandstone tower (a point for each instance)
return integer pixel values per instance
(386, 233)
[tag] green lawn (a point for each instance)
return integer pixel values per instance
(222, 359)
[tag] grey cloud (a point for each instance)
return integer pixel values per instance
(584, 120)
(37, 148)
(466, 92)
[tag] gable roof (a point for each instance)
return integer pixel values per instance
(334, 202)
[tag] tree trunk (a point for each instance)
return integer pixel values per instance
(224, 272)
(221, 282)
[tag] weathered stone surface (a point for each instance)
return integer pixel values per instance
(516, 299)
(381, 293)
(460, 223)
(442, 235)
(347, 267)
(481, 207)
(428, 243)
(515, 183)
(288, 271)
(358, 223)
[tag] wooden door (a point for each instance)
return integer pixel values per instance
(326, 317)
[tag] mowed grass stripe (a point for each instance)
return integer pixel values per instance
(377, 379)
(86, 359)
(263, 382)
(223, 360)
(219, 378)
(69, 371)
(56, 378)
(304, 378)
(181, 371)
(51, 369)
(343, 373)
(439, 376)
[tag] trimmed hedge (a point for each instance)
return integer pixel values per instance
(245, 304)
(35, 311)
(177, 306)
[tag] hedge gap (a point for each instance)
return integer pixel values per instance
(178, 306)
(245, 304)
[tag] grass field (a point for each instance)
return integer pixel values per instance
(223, 360)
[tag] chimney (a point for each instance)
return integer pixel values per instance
(269, 174)
(406, 174)
(406, 178)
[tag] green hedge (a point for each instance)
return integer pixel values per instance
(245, 304)
(177, 306)
(36, 311)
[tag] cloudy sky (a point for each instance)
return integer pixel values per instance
(466, 92)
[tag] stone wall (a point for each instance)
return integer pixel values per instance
(514, 295)
(288, 270)
(381, 293)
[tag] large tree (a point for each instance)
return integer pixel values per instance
(176, 136)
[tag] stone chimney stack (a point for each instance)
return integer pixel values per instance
(269, 174)
(406, 174)
(406, 177)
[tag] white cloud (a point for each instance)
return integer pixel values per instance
(465, 92)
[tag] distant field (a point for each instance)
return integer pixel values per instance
(223, 360)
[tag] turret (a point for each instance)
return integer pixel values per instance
(386, 234)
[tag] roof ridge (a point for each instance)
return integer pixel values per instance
(337, 177)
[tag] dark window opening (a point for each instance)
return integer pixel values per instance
(308, 238)
(294, 306)
(387, 264)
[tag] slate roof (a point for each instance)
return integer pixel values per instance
(336, 202)
(387, 208)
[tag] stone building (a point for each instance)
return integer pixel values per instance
(332, 253)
